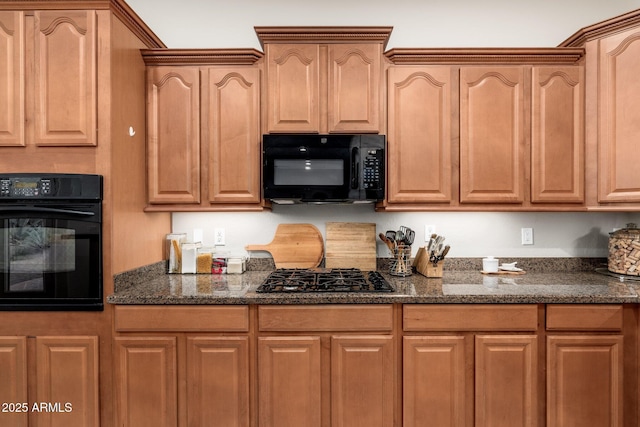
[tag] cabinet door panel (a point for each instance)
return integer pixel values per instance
(619, 118)
(13, 379)
(293, 91)
(233, 129)
(354, 92)
(419, 140)
(146, 381)
(289, 381)
(557, 143)
(65, 78)
(506, 380)
(218, 381)
(434, 381)
(585, 380)
(12, 95)
(492, 137)
(173, 121)
(362, 381)
(67, 374)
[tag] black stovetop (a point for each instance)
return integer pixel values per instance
(324, 280)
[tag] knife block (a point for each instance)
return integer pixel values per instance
(425, 267)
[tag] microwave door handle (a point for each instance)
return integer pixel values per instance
(27, 209)
(355, 168)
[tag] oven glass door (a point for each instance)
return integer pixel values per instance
(50, 258)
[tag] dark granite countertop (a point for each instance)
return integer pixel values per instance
(152, 286)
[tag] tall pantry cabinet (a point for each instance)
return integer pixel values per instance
(72, 101)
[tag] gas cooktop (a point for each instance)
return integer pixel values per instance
(324, 280)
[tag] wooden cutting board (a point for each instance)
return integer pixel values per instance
(351, 245)
(294, 246)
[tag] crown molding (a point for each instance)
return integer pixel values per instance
(534, 56)
(323, 35)
(201, 56)
(118, 7)
(604, 28)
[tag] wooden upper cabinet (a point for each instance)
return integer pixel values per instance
(173, 132)
(48, 81)
(419, 137)
(231, 134)
(557, 136)
(354, 88)
(492, 134)
(65, 78)
(12, 79)
(203, 120)
(323, 79)
(619, 117)
(293, 88)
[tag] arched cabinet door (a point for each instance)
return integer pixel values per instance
(492, 134)
(231, 135)
(419, 139)
(557, 136)
(173, 132)
(619, 118)
(293, 87)
(65, 83)
(354, 88)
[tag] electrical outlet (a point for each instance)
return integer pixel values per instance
(218, 237)
(429, 229)
(527, 236)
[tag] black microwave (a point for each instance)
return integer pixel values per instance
(311, 168)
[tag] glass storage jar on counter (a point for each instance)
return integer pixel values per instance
(624, 251)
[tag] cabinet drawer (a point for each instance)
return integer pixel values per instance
(183, 318)
(584, 317)
(465, 317)
(326, 318)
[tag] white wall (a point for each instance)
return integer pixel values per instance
(417, 23)
(469, 234)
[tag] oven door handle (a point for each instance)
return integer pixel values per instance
(27, 209)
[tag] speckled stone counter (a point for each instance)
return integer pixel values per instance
(151, 285)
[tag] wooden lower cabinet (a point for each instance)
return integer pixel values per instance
(584, 380)
(64, 377)
(146, 381)
(591, 355)
(438, 388)
(218, 381)
(331, 365)
(470, 365)
(361, 381)
(151, 372)
(289, 378)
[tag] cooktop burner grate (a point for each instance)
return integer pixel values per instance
(332, 280)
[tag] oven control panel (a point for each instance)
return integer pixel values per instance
(25, 187)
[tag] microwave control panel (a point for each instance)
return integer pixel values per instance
(372, 170)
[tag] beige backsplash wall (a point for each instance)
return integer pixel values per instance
(470, 234)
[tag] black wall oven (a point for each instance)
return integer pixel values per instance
(50, 242)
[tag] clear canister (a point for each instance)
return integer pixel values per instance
(624, 251)
(172, 251)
